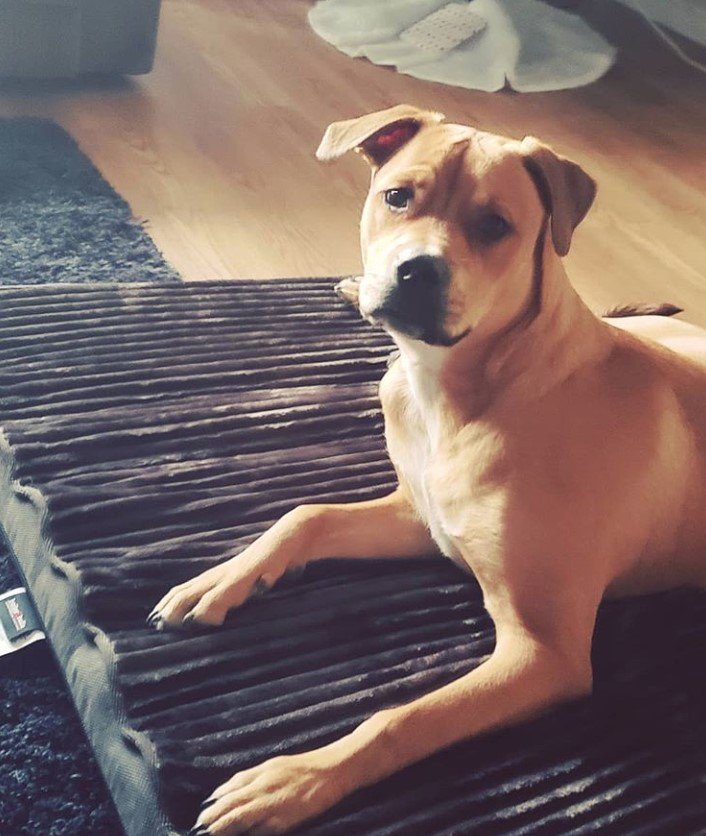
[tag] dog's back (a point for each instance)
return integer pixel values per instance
(677, 350)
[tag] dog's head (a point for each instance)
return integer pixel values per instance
(453, 221)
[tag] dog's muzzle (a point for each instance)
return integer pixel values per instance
(414, 304)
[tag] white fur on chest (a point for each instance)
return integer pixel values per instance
(414, 463)
(433, 519)
(415, 445)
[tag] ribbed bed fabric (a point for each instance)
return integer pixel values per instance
(151, 431)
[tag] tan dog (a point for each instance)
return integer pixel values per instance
(559, 457)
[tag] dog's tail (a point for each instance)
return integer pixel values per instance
(665, 309)
(348, 289)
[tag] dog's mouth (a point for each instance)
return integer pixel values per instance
(448, 341)
(430, 334)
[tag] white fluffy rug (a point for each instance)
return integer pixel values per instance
(525, 44)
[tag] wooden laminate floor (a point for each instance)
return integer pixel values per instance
(214, 149)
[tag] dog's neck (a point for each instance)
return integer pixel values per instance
(550, 336)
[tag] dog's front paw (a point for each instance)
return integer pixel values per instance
(207, 598)
(273, 797)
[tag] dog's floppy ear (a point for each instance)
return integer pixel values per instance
(567, 192)
(377, 136)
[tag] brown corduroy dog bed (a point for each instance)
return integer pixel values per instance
(151, 431)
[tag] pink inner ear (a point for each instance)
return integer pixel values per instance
(382, 145)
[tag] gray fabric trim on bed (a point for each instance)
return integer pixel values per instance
(85, 655)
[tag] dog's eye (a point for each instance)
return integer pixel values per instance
(398, 199)
(492, 227)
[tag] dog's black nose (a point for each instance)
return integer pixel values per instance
(414, 303)
(423, 269)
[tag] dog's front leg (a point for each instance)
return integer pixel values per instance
(385, 527)
(523, 677)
